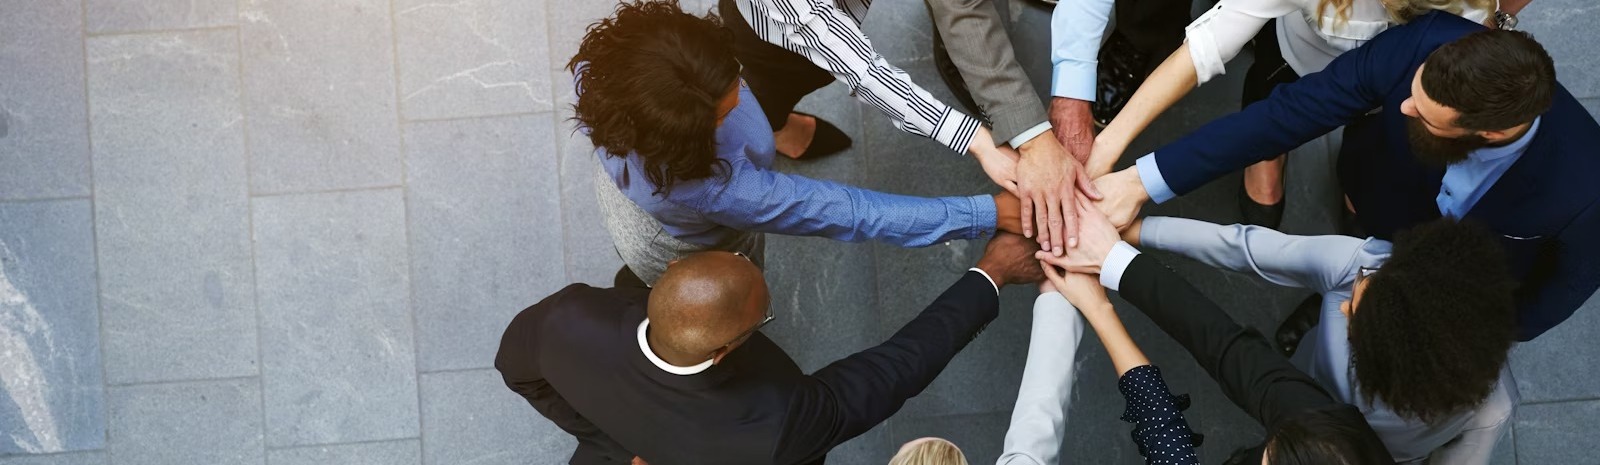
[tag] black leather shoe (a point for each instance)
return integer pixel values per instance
(1257, 214)
(1298, 324)
(828, 140)
(1122, 70)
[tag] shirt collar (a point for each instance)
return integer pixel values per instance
(1516, 147)
(644, 346)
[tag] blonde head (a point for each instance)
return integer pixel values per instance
(929, 451)
(1402, 11)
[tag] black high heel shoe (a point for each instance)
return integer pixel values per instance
(828, 140)
(1257, 214)
(1299, 322)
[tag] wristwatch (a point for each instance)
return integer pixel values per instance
(1505, 21)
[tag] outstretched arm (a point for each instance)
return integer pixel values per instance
(1039, 420)
(761, 200)
(1319, 263)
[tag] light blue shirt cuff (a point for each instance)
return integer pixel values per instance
(1150, 175)
(1117, 262)
(984, 216)
(1073, 79)
(1029, 134)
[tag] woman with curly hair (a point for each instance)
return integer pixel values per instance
(1305, 36)
(686, 154)
(1415, 333)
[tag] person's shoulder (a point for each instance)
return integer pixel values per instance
(1441, 26)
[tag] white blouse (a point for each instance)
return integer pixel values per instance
(1218, 35)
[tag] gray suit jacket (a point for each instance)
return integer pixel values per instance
(979, 46)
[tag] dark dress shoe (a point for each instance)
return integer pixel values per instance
(1250, 212)
(1122, 70)
(828, 140)
(1295, 327)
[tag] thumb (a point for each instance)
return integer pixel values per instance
(1087, 186)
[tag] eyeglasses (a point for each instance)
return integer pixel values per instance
(1363, 274)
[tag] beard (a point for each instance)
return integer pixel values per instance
(1440, 151)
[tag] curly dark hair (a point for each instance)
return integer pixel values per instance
(649, 79)
(1433, 326)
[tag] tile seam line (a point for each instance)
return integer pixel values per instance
(405, 211)
(363, 442)
(94, 235)
(250, 222)
(169, 382)
(137, 32)
(447, 119)
(58, 199)
(343, 190)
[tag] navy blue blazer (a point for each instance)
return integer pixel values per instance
(575, 357)
(1544, 207)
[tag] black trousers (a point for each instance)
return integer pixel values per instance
(1268, 70)
(1154, 27)
(778, 77)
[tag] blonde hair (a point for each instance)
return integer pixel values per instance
(933, 451)
(1402, 11)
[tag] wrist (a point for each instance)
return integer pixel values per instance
(994, 272)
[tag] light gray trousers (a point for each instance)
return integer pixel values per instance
(645, 246)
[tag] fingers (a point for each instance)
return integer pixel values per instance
(1050, 259)
(1055, 216)
(1068, 235)
(1087, 186)
(1054, 277)
(1027, 215)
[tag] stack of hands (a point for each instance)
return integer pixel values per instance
(1012, 259)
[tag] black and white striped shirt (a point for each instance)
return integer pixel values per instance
(828, 32)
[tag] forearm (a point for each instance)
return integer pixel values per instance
(1168, 84)
(1125, 354)
(981, 50)
(1514, 6)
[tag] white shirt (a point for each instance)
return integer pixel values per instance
(644, 346)
(1218, 35)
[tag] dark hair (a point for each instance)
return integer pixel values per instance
(1434, 325)
(1328, 435)
(1496, 79)
(649, 79)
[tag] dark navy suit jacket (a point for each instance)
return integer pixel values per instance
(576, 357)
(1544, 207)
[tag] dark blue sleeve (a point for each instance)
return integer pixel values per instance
(1570, 282)
(1353, 84)
(1159, 428)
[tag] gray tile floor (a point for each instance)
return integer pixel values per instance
(290, 232)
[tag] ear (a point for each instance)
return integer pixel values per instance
(716, 358)
(1495, 135)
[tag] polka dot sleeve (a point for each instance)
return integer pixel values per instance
(1159, 429)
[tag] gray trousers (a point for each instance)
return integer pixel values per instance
(645, 246)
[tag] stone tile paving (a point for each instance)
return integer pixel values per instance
(282, 232)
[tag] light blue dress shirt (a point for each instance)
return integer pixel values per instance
(749, 195)
(1328, 265)
(1076, 27)
(1467, 181)
(1464, 182)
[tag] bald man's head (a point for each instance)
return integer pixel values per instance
(703, 302)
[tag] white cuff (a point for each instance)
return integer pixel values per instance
(1035, 131)
(986, 276)
(1117, 262)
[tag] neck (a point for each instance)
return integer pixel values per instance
(675, 359)
(1517, 134)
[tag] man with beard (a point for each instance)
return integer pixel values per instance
(1442, 118)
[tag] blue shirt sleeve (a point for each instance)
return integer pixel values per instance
(1159, 428)
(1076, 27)
(755, 199)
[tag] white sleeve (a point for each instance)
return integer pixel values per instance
(1217, 36)
(1039, 420)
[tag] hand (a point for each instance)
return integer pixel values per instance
(1082, 290)
(1008, 213)
(1048, 179)
(1000, 163)
(1008, 259)
(1097, 238)
(1073, 125)
(1124, 195)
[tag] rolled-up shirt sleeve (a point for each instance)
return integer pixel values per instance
(755, 199)
(1216, 37)
(1160, 430)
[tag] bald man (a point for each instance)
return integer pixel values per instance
(681, 374)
